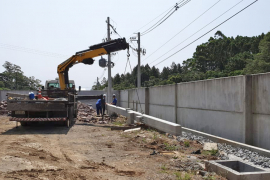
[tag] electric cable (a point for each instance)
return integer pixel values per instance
(157, 17)
(181, 30)
(32, 51)
(198, 31)
(176, 7)
(207, 32)
(173, 8)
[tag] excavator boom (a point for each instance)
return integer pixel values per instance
(86, 57)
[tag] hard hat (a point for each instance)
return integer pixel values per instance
(113, 95)
(104, 95)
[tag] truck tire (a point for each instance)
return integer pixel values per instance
(23, 123)
(71, 116)
(67, 123)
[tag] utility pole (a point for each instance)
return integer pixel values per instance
(109, 64)
(139, 62)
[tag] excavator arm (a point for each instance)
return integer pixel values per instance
(86, 57)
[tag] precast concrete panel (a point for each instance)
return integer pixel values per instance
(224, 94)
(162, 112)
(124, 98)
(261, 130)
(261, 93)
(224, 124)
(162, 95)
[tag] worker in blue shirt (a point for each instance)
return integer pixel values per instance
(114, 102)
(98, 106)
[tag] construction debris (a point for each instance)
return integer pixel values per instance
(210, 146)
(87, 114)
(135, 129)
(3, 108)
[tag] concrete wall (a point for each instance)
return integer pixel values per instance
(162, 101)
(236, 108)
(261, 110)
(213, 106)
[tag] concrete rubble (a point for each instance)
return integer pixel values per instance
(87, 114)
(3, 108)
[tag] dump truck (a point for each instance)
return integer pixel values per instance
(57, 100)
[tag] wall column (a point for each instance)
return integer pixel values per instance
(146, 100)
(175, 103)
(248, 110)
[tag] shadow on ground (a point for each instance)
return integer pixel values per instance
(38, 128)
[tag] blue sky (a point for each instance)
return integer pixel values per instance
(39, 35)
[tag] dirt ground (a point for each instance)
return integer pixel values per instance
(94, 151)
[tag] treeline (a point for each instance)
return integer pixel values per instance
(221, 56)
(13, 78)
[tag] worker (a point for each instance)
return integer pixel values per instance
(98, 106)
(103, 103)
(114, 102)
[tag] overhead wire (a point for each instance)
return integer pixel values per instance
(197, 31)
(182, 30)
(207, 32)
(176, 8)
(173, 8)
(32, 51)
(156, 17)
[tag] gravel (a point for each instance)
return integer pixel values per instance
(228, 150)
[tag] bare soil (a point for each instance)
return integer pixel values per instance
(94, 151)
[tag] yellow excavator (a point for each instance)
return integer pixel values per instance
(86, 57)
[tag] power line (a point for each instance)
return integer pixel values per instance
(163, 20)
(182, 30)
(157, 17)
(173, 8)
(198, 31)
(32, 51)
(207, 32)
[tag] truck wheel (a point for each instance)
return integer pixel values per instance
(71, 116)
(23, 123)
(68, 123)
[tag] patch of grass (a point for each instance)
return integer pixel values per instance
(169, 147)
(117, 123)
(209, 178)
(187, 144)
(178, 175)
(144, 140)
(187, 177)
(175, 157)
(155, 136)
(126, 135)
(213, 152)
(163, 168)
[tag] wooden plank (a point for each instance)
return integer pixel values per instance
(36, 107)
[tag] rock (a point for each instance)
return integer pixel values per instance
(210, 146)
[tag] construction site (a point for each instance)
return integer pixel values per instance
(205, 116)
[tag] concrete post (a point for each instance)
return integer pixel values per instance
(175, 104)
(119, 99)
(128, 98)
(248, 110)
(146, 100)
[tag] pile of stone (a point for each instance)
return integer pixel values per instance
(3, 108)
(86, 113)
(230, 152)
